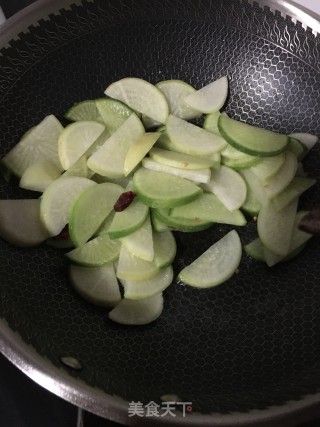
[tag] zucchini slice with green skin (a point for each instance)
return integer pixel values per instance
(208, 207)
(161, 189)
(297, 148)
(251, 139)
(58, 199)
(175, 92)
(180, 224)
(113, 113)
(141, 96)
(90, 210)
(84, 110)
(98, 285)
(129, 220)
(216, 265)
(98, 251)
(236, 159)
(165, 248)
(307, 139)
(188, 138)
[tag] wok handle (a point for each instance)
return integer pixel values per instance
(311, 222)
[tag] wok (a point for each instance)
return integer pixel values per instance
(244, 353)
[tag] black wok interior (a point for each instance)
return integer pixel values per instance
(250, 343)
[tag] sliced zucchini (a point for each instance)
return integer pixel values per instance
(275, 227)
(196, 175)
(98, 285)
(160, 189)
(297, 187)
(134, 289)
(140, 242)
(250, 139)
(268, 167)
(180, 224)
(141, 96)
(188, 138)
(109, 159)
(84, 110)
(131, 267)
(138, 312)
(183, 161)
(228, 186)
(113, 113)
(211, 97)
(216, 265)
(208, 207)
(39, 175)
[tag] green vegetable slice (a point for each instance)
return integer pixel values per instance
(250, 139)
(216, 265)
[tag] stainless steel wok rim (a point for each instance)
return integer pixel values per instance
(94, 400)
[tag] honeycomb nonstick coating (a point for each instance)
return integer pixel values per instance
(249, 343)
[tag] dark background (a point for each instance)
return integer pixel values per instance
(22, 402)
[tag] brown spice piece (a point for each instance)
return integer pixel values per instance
(124, 201)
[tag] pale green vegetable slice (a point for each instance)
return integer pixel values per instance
(131, 267)
(160, 189)
(98, 285)
(80, 168)
(129, 220)
(181, 224)
(255, 249)
(158, 225)
(98, 251)
(183, 161)
(84, 110)
(207, 207)
(250, 139)
(268, 167)
(252, 205)
(297, 148)
(211, 122)
(38, 176)
(307, 139)
(188, 138)
(20, 222)
(39, 143)
(110, 158)
(196, 175)
(140, 242)
(283, 178)
(297, 187)
(138, 312)
(175, 92)
(275, 227)
(165, 248)
(298, 240)
(147, 288)
(138, 150)
(216, 265)
(228, 186)
(141, 96)
(236, 159)
(211, 97)
(255, 186)
(58, 199)
(75, 140)
(113, 113)
(91, 209)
